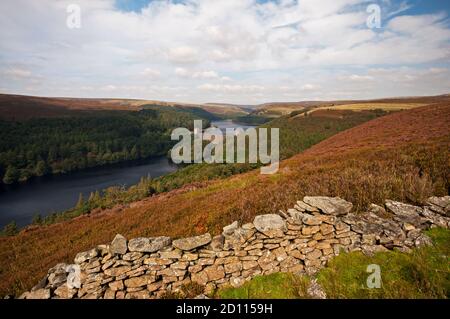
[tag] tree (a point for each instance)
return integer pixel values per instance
(37, 219)
(80, 202)
(11, 175)
(94, 198)
(134, 152)
(10, 229)
(41, 168)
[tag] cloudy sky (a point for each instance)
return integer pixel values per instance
(234, 51)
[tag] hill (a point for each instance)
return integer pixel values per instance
(57, 145)
(21, 107)
(274, 109)
(402, 156)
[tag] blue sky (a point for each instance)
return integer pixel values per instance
(414, 7)
(235, 51)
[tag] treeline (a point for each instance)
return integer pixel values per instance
(38, 147)
(252, 119)
(196, 111)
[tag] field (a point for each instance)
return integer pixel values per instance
(273, 110)
(389, 107)
(401, 156)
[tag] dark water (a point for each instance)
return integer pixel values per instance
(49, 194)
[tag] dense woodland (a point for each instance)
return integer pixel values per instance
(38, 147)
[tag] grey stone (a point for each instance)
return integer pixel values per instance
(442, 202)
(192, 242)
(38, 294)
(270, 224)
(329, 205)
(217, 243)
(316, 291)
(302, 206)
(229, 230)
(402, 209)
(86, 255)
(376, 209)
(41, 284)
(440, 205)
(118, 245)
(148, 245)
(405, 212)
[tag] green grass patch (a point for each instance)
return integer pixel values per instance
(423, 273)
(274, 286)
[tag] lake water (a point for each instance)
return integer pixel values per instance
(57, 193)
(48, 194)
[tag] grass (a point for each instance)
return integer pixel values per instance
(389, 107)
(423, 273)
(273, 286)
(402, 156)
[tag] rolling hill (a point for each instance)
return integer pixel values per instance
(401, 156)
(274, 109)
(21, 107)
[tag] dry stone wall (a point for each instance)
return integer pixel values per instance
(300, 240)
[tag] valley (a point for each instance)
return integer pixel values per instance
(226, 149)
(401, 156)
(26, 202)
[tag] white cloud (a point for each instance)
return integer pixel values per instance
(356, 77)
(205, 75)
(182, 72)
(183, 55)
(309, 87)
(17, 73)
(151, 73)
(260, 47)
(185, 73)
(108, 87)
(227, 88)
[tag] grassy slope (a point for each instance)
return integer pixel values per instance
(423, 273)
(389, 104)
(402, 156)
(373, 106)
(273, 286)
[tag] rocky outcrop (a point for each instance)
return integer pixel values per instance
(300, 240)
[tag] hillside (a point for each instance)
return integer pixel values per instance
(389, 104)
(22, 107)
(58, 145)
(401, 156)
(318, 232)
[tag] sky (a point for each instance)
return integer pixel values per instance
(230, 51)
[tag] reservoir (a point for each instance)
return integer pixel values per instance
(56, 193)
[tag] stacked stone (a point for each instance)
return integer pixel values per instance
(300, 240)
